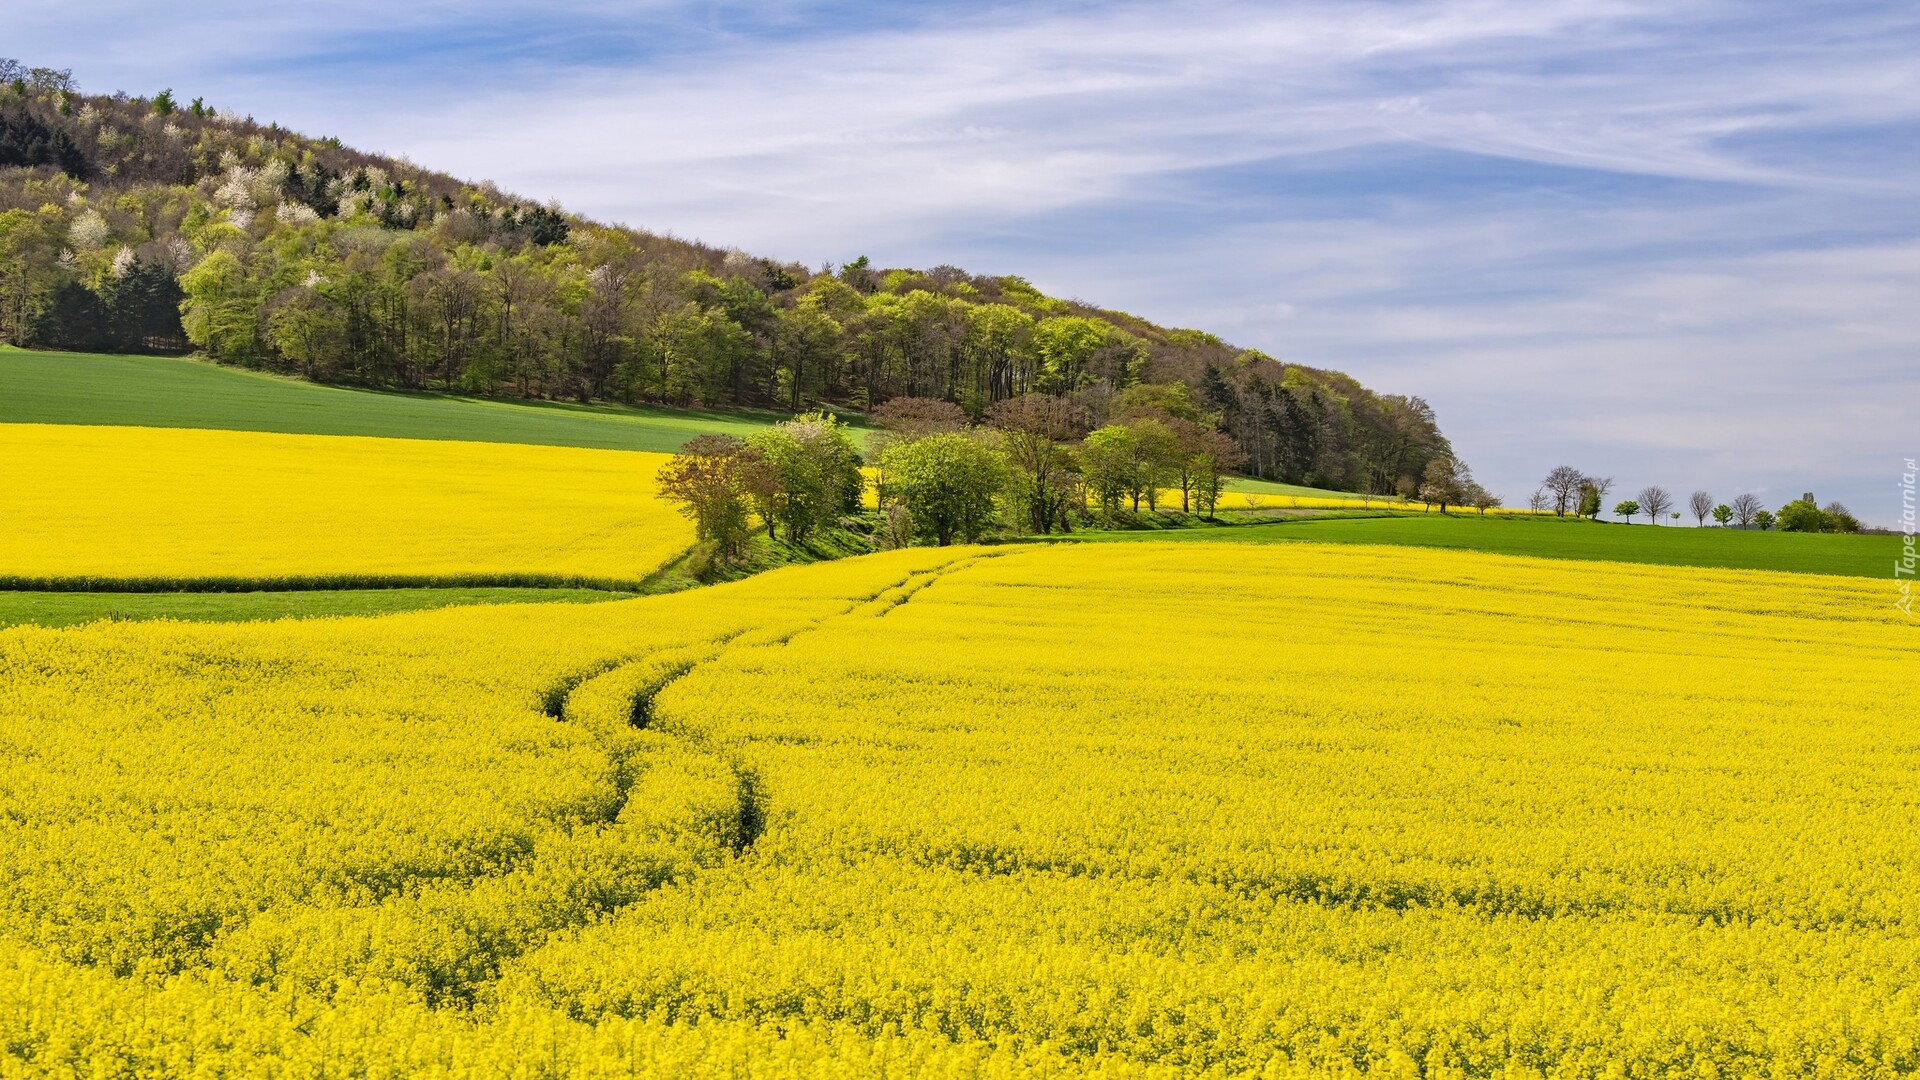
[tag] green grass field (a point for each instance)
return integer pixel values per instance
(1274, 487)
(154, 391)
(70, 609)
(1850, 556)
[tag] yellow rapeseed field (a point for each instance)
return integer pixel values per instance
(126, 504)
(1141, 810)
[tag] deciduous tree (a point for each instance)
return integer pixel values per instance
(1654, 501)
(1701, 503)
(1840, 518)
(1601, 486)
(713, 479)
(221, 307)
(918, 417)
(1034, 430)
(1447, 482)
(1563, 488)
(1110, 462)
(1207, 455)
(1158, 456)
(947, 481)
(814, 472)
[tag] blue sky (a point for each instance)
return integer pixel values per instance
(1674, 242)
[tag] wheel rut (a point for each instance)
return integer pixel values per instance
(678, 763)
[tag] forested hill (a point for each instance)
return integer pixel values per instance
(148, 224)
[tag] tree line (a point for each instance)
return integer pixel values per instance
(146, 224)
(1035, 463)
(1566, 490)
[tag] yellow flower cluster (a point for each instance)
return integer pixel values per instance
(1141, 810)
(158, 506)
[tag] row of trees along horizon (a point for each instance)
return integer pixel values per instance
(1566, 490)
(1036, 464)
(152, 225)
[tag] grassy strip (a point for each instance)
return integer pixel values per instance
(1732, 549)
(73, 608)
(70, 601)
(697, 567)
(152, 391)
(322, 583)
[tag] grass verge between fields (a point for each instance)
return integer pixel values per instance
(73, 601)
(74, 608)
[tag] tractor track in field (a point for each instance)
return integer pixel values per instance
(642, 679)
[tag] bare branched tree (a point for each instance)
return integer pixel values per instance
(1563, 486)
(1746, 506)
(1655, 502)
(1701, 503)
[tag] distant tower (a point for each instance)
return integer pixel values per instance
(1808, 496)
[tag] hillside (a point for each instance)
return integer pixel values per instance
(133, 224)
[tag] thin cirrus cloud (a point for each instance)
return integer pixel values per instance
(1669, 241)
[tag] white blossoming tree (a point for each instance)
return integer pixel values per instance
(89, 231)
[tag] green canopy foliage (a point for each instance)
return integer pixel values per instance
(949, 483)
(814, 471)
